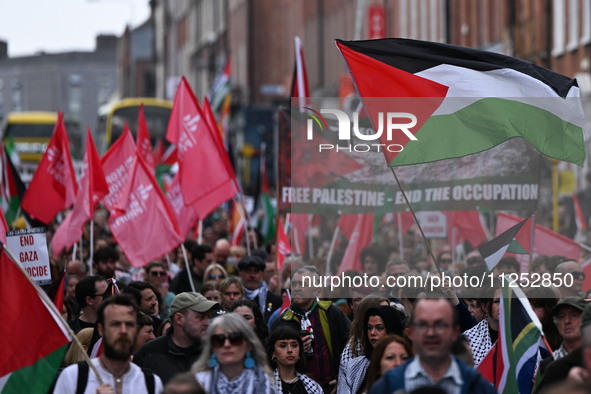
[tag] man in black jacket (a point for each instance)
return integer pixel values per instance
(327, 327)
(251, 270)
(176, 351)
(201, 258)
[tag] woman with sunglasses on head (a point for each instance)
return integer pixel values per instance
(285, 352)
(233, 360)
(378, 322)
(157, 276)
(250, 311)
(215, 272)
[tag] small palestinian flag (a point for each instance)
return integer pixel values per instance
(463, 100)
(517, 239)
(31, 353)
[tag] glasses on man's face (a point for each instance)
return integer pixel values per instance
(423, 327)
(219, 276)
(578, 275)
(100, 295)
(219, 340)
(445, 261)
(158, 273)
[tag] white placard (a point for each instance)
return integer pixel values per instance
(434, 223)
(30, 249)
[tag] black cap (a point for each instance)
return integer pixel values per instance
(574, 302)
(251, 261)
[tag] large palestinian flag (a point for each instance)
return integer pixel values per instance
(33, 347)
(465, 100)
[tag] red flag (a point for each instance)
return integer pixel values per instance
(360, 238)
(546, 241)
(347, 224)
(145, 226)
(185, 215)
(283, 247)
(158, 151)
(299, 86)
(300, 223)
(205, 181)
(468, 226)
(237, 225)
(53, 187)
(169, 157)
(286, 302)
(406, 221)
(116, 164)
(56, 291)
(3, 227)
(210, 120)
(93, 187)
(144, 146)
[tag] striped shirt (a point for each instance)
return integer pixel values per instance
(415, 377)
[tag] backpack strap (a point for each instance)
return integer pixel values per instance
(83, 370)
(150, 381)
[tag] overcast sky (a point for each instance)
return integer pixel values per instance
(30, 26)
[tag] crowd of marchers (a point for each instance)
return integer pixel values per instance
(224, 321)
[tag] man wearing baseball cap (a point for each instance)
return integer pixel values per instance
(558, 370)
(251, 270)
(176, 351)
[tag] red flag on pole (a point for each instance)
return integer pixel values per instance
(116, 164)
(145, 225)
(469, 226)
(93, 187)
(283, 247)
(3, 227)
(185, 215)
(360, 238)
(210, 120)
(144, 146)
(205, 181)
(53, 187)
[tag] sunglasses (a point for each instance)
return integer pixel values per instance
(445, 261)
(157, 273)
(578, 275)
(219, 340)
(220, 276)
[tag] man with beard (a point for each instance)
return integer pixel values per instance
(146, 298)
(117, 324)
(176, 351)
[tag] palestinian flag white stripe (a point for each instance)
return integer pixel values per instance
(467, 86)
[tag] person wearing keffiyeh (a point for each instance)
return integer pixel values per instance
(326, 328)
(251, 270)
(285, 352)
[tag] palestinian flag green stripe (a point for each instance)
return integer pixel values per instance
(36, 378)
(485, 124)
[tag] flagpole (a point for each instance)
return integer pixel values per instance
(200, 231)
(91, 244)
(330, 249)
(416, 221)
(587, 248)
(187, 266)
(81, 250)
(74, 256)
(294, 236)
(310, 243)
(57, 313)
(401, 249)
(453, 250)
(531, 250)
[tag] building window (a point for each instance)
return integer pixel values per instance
(558, 26)
(75, 96)
(573, 25)
(17, 94)
(414, 19)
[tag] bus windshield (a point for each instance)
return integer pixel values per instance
(16, 130)
(156, 119)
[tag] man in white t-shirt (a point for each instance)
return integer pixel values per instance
(117, 324)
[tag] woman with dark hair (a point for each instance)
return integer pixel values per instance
(483, 335)
(285, 351)
(353, 348)
(390, 352)
(250, 311)
(378, 322)
(542, 300)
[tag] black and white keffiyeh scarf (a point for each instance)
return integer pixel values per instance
(261, 292)
(310, 385)
(348, 354)
(250, 381)
(351, 375)
(305, 323)
(479, 338)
